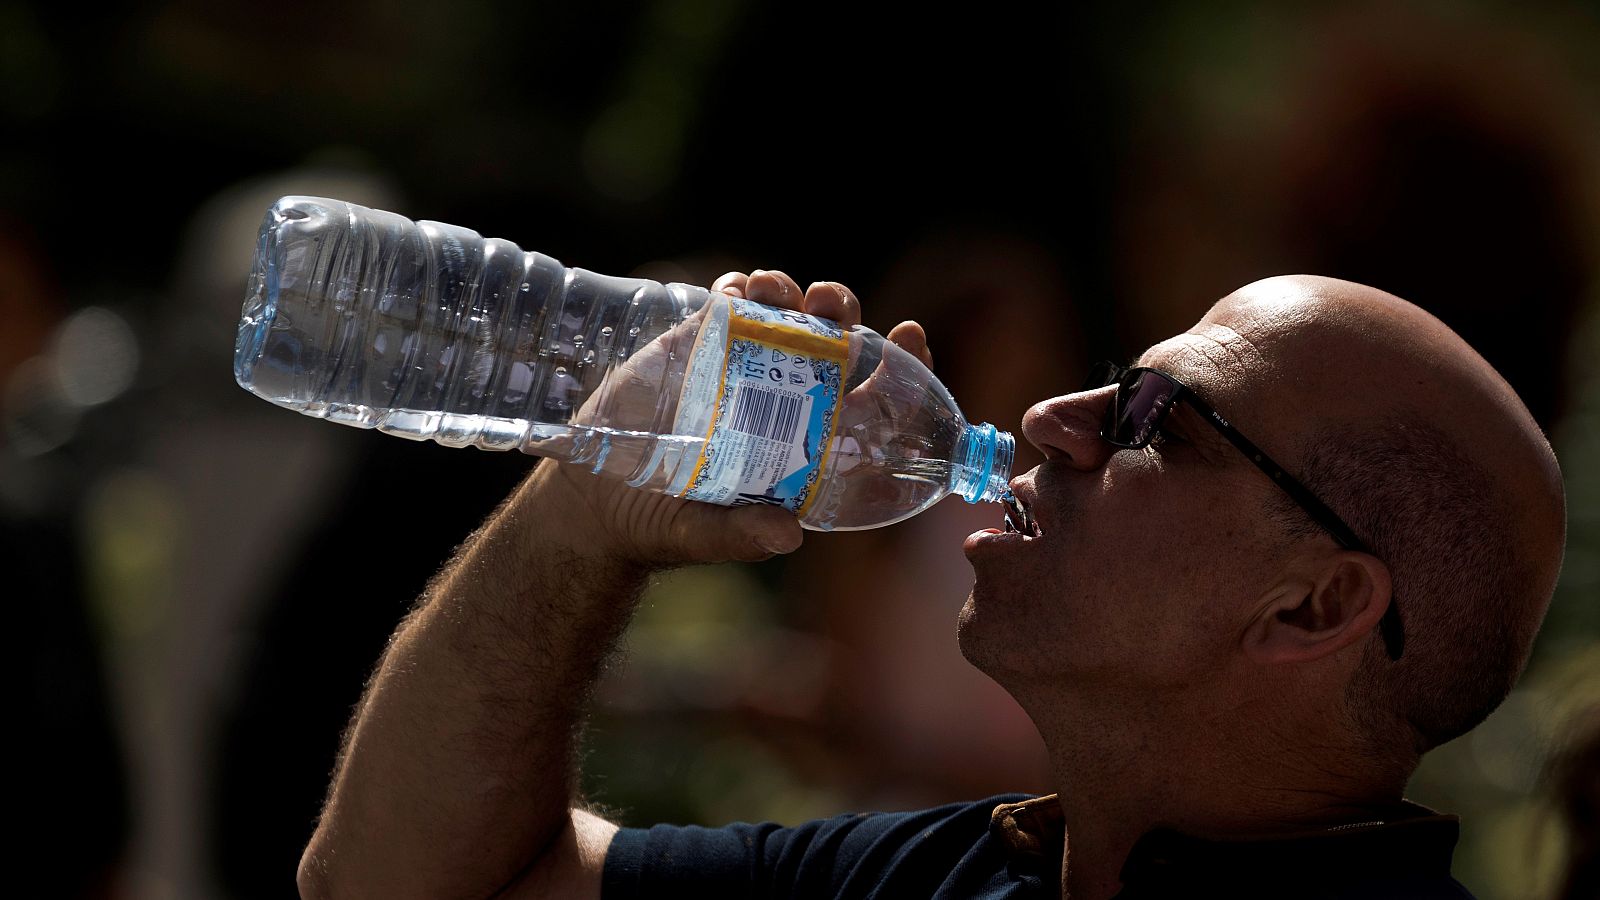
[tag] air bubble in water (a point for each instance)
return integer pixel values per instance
(524, 285)
(561, 371)
(577, 340)
(634, 331)
(588, 357)
(606, 331)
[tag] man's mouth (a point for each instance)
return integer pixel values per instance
(1017, 518)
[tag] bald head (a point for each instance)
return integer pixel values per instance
(1416, 442)
(1355, 350)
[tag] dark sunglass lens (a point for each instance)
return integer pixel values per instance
(1142, 400)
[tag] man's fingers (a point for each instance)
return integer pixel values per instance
(731, 283)
(773, 288)
(912, 339)
(832, 300)
(828, 299)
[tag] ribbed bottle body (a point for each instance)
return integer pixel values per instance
(433, 332)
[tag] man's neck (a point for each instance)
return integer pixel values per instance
(1119, 776)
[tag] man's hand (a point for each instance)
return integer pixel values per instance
(633, 527)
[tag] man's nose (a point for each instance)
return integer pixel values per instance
(1068, 427)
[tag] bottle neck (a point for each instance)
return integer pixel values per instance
(982, 468)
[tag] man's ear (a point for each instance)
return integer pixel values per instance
(1319, 611)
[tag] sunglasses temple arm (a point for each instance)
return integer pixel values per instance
(1390, 626)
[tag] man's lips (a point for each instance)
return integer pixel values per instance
(993, 538)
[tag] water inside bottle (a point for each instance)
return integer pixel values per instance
(615, 451)
(904, 468)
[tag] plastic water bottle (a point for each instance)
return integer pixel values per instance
(431, 332)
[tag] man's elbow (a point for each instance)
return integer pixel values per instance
(312, 878)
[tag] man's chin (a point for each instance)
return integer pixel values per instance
(999, 639)
(970, 637)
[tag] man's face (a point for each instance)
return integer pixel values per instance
(1149, 561)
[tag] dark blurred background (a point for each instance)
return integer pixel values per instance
(200, 583)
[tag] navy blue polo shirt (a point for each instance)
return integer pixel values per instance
(1010, 846)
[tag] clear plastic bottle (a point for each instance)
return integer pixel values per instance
(431, 332)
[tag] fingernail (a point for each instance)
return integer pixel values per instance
(774, 544)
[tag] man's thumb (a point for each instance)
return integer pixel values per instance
(776, 531)
(716, 533)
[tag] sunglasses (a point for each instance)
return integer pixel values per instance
(1144, 398)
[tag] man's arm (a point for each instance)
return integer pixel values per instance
(458, 773)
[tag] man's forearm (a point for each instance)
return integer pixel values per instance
(457, 770)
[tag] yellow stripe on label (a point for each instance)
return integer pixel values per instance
(793, 338)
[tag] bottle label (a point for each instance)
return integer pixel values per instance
(777, 405)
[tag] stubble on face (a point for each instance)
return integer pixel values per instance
(1149, 559)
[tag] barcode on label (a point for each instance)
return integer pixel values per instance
(766, 412)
